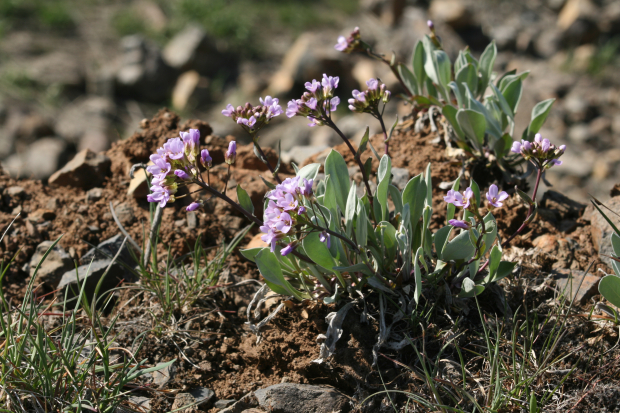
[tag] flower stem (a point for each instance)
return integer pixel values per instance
(358, 159)
(260, 150)
(385, 135)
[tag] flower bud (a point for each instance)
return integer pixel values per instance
(231, 154)
(205, 158)
(193, 206)
(181, 174)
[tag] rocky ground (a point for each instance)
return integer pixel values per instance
(74, 116)
(78, 84)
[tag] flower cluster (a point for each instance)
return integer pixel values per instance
(252, 118)
(177, 159)
(368, 101)
(283, 210)
(318, 102)
(349, 44)
(494, 197)
(541, 151)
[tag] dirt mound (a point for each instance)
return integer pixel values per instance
(47, 212)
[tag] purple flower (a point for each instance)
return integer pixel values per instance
(270, 237)
(229, 111)
(373, 84)
(301, 210)
(160, 165)
(554, 162)
(247, 122)
(288, 203)
(342, 44)
(205, 158)
(526, 146)
(306, 189)
(312, 103)
(430, 24)
(326, 238)
(287, 250)
(516, 147)
(312, 87)
(458, 199)
(314, 122)
(191, 141)
(495, 197)
(333, 103)
(159, 194)
(181, 174)
(545, 145)
(458, 224)
(193, 206)
(175, 148)
(329, 84)
(231, 153)
(292, 108)
(284, 223)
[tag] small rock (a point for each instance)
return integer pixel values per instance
(41, 215)
(301, 398)
(568, 283)
(94, 195)
(139, 403)
(163, 376)
(55, 265)
(191, 49)
(192, 220)
(15, 191)
(124, 213)
(138, 187)
(86, 170)
(179, 223)
(400, 177)
(256, 242)
(222, 404)
(189, 87)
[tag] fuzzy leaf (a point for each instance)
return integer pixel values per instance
(270, 269)
(539, 115)
(336, 167)
(609, 287)
(473, 125)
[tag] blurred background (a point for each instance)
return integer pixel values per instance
(78, 74)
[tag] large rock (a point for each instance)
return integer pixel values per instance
(57, 68)
(90, 275)
(87, 120)
(142, 73)
(108, 249)
(41, 159)
(193, 49)
(601, 230)
(301, 398)
(576, 285)
(57, 262)
(86, 170)
(578, 22)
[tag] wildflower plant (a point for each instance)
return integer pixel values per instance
(322, 240)
(479, 106)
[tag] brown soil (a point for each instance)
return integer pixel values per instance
(213, 346)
